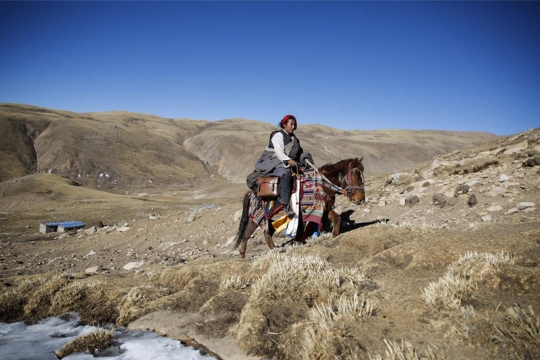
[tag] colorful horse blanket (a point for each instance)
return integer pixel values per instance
(312, 203)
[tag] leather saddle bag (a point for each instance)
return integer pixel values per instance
(268, 187)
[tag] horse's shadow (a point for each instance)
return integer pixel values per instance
(347, 224)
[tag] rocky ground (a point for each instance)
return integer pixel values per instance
(490, 193)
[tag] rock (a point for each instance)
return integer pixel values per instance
(402, 201)
(512, 210)
(486, 218)
(516, 149)
(473, 182)
(472, 200)
(440, 199)
(426, 184)
(461, 189)
(503, 178)
(412, 200)
(92, 252)
(237, 215)
(91, 230)
(367, 210)
(123, 228)
(153, 217)
(524, 205)
(494, 208)
(409, 188)
(134, 264)
(532, 161)
(529, 209)
(498, 190)
(92, 270)
(381, 203)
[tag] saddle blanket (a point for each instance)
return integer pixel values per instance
(311, 203)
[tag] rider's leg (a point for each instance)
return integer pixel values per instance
(286, 186)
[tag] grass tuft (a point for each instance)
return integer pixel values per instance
(93, 342)
(404, 351)
(459, 282)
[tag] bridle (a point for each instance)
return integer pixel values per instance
(346, 189)
(346, 182)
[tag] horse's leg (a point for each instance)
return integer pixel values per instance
(268, 235)
(336, 222)
(251, 227)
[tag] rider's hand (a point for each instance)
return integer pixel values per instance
(291, 162)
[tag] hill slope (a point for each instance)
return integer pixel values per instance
(419, 271)
(121, 151)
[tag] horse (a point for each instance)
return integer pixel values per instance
(344, 177)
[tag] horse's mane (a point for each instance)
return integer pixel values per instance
(341, 167)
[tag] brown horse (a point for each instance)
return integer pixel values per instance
(344, 177)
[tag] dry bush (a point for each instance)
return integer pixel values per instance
(40, 301)
(92, 342)
(12, 302)
(404, 351)
(51, 295)
(521, 331)
(142, 300)
(326, 333)
(88, 299)
(279, 304)
(459, 283)
(235, 282)
(466, 323)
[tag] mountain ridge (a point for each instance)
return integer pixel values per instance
(138, 151)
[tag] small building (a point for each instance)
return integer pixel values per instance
(60, 226)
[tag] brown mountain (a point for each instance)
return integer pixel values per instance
(122, 152)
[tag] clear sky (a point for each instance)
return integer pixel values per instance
(471, 66)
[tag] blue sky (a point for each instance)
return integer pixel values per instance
(468, 66)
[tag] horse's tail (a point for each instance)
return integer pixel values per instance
(244, 220)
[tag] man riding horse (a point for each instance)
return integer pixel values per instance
(281, 157)
(315, 194)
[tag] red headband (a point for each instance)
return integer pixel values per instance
(286, 118)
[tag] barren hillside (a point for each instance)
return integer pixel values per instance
(441, 262)
(127, 152)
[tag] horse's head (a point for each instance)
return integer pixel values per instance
(353, 182)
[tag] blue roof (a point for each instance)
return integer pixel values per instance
(65, 224)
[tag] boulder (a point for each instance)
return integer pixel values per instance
(134, 264)
(440, 199)
(472, 200)
(525, 205)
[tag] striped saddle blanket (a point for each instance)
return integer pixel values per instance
(311, 203)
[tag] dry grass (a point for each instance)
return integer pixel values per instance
(12, 302)
(142, 300)
(521, 330)
(459, 283)
(311, 295)
(325, 334)
(93, 342)
(235, 282)
(404, 351)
